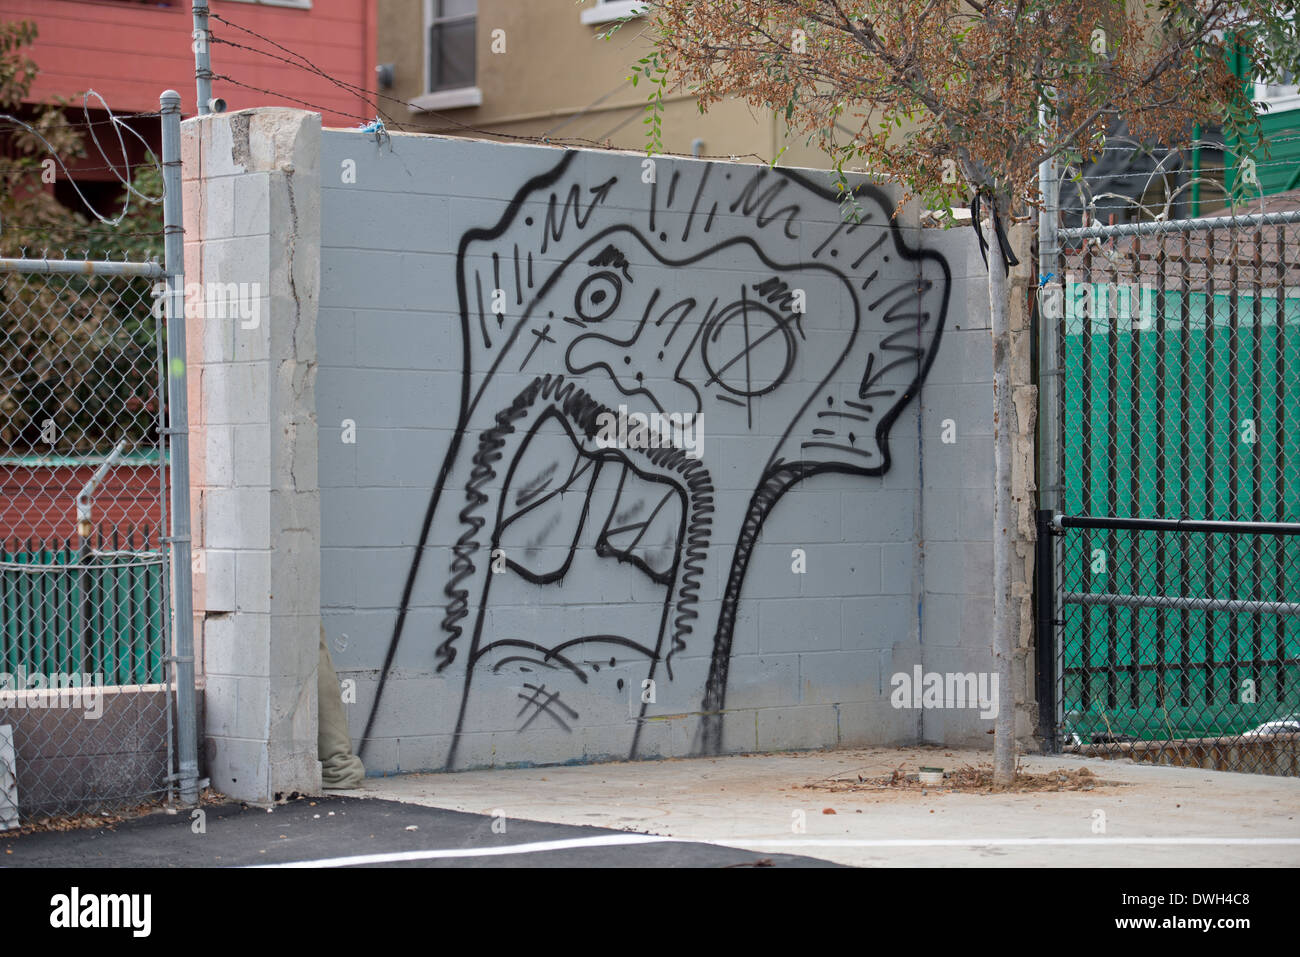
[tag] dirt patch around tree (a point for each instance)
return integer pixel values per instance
(967, 779)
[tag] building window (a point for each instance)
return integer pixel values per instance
(606, 11)
(298, 4)
(1282, 95)
(452, 33)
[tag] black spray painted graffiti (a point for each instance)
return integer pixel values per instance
(687, 298)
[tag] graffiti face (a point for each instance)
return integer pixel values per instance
(587, 575)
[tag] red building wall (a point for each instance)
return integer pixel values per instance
(40, 503)
(130, 51)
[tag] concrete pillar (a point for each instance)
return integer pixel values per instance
(252, 270)
(1024, 284)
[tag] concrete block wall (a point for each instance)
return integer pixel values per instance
(405, 453)
(956, 611)
(252, 207)
(547, 662)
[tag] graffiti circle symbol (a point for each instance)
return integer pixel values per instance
(598, 296)
(748, 348)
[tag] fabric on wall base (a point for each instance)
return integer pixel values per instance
(340, 768)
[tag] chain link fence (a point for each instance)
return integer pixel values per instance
(1176, 525)
(85, 700)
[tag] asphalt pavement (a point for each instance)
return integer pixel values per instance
(356, 832)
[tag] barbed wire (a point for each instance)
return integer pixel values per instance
(121, 172)
(80, 170)
(1172, 183)
(82, 124)
(27, 251)
(372, 100)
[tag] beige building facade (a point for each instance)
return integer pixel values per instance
(546, 68)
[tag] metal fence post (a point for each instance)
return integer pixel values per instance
(1050, 470)
(202, 57)
(179, 445)
(1049, 331)
(1045, 613)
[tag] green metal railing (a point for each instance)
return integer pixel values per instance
(76, 610)
(1180, 401)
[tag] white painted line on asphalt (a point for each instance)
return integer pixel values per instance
(1010, 841)
(604, 840)
(623, 840)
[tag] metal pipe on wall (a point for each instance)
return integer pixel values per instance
(202, 57)
(179, 445)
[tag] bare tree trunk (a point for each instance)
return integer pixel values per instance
(1004, 518)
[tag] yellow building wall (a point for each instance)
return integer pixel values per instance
(559, 78)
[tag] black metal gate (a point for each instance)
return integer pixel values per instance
(1168, 628)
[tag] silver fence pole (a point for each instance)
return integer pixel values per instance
(1049, 342)
(77, 267)
(1051, 473)
(202, 56)
(179, 444)
(1151, 227)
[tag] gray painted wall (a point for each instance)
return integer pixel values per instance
(618, 567)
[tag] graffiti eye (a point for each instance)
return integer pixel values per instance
(598, 296)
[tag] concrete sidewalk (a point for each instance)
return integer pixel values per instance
(1153, 816)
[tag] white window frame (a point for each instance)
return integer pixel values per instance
(1287, 99)
(295, 4)
(456, 98)
(606, 11)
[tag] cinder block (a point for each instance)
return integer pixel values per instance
(219, 579)
(251, 457)
(218, 462)
(416, 339)
(876, 723)
(219, 207)
(799, 624)
(898, 568)
(378, 754)
(251, 201)
(842, 570)
(397, 457)
(959, 568)
(610, 742)
(243, 259)
(420, 753)
(237, 518)
(363, 279)
(532, 747)
(771, 568)
(253, 581)
(336, 464)
(236, 394)
(878, 621)
(739, 733)
(838, 676)
(293, 709)
(236, 645)
(239, 768)
(941, 514)
(878, 515)
(977, 514)
(335, 338)
(371, 213)
(763, 681)
(798, 728)
(236, 706)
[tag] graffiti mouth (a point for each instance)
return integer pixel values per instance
(566, 507)
(562, 495)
